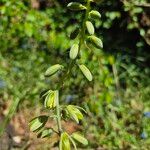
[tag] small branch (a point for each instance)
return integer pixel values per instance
(82, 34)
(55, 131)
(70, 66)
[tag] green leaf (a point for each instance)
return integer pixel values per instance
(95, 41)
(78, 137)
(86, 72)
(73, 142)
(45, 133)
(44, 93)
(94, 14)
(74, 113)
(76, 6)
(64, 143)
(74, 34)
(50, 100)
(90, 27)
(81, 109)
(38, 122)
(53, 69)
(74, 51)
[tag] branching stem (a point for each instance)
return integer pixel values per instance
(70, 66)
(58, 113)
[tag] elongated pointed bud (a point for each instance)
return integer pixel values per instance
(74, 51)
(95, 41)
(76, 6)
(64, 143)
(90, 27)
(86, 72)
(94, 14)
(74, 113)
(53, 69)
(78, 137)
(45, 133)
(38, 122)
(50, 100)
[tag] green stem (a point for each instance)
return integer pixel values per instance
(70, 66)
(66, 74)
(58, 113)
(82, 35)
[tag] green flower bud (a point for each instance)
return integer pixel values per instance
(74, 51)
(90, 27)
(64, 143)
(76, 6)
(94, 14)
(37, 123)
(53, 69)
(95, 41)
(86, 72)
(50, 100)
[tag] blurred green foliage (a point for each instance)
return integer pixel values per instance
(35, 34)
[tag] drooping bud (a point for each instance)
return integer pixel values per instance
(94, 14)
(95, 41)
(86, 72)
(53, 69)
(76, 6)
(90, 27)
(74, 51)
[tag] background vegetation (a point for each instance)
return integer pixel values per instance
(35, 34)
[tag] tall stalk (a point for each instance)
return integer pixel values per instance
(86, 36)
(72, 63)
(58, 114)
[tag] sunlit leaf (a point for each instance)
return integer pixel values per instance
(73, 142)
(50, 100)
(64, 143)
(44, 93)
(45, 133)
(74, 113)
(38, 122)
